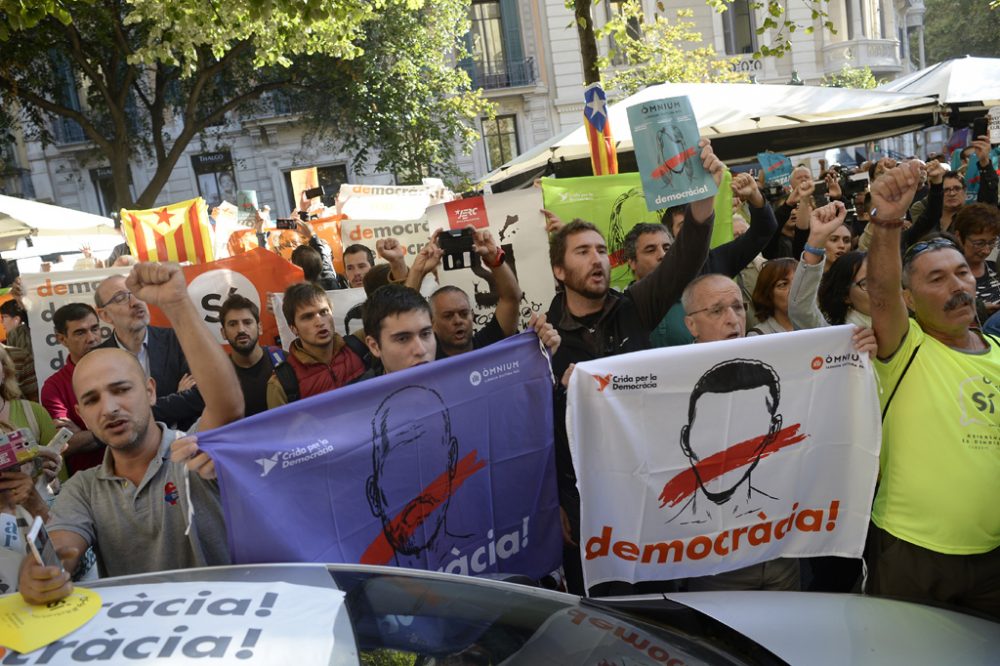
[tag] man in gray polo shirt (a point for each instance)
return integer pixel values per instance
(133, 508)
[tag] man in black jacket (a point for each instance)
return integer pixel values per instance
(594, 320)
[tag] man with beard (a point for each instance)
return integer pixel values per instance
(935, 534)
(358, 260)
(594, 320)
(240, 319)
(131, 509)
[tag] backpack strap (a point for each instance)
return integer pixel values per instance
(360, 349)
(289, 382)
(276, 355)
(888, 402)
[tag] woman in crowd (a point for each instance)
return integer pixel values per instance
(770, 297)
(840, 295)
(978, 227)
(20, 413)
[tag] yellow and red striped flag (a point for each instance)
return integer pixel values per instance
(178, 232)
(603, 154)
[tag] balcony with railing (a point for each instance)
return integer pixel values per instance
(275, 104)
(66, 131)
(503, 74)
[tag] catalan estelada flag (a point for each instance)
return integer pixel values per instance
(177, 232)
(603, 155)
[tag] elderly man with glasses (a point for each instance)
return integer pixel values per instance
(178, 402)
(935, 524)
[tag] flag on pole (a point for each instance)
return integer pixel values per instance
(603, 155)
(177, 232)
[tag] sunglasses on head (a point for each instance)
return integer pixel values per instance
(939, 243)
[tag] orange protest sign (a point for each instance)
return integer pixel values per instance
(252, 274)
(328, 228)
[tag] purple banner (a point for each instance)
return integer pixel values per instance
(447, 466)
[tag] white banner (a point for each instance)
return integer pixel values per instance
(517, 225)
(44, 293)
(411, 234)
(342, 301)
(705, 458)
(391, 202)
(197, 623)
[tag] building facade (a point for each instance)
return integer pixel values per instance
(525, 55)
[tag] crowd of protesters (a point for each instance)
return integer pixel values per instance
(906, 260)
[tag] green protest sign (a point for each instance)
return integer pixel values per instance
(615, 204)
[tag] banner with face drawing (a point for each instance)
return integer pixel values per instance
(516, 223)
(723, 455)
(447, 466)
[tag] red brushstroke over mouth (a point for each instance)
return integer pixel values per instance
(661, 170)
(738, 455)
(380, 551)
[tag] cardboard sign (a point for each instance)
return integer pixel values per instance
(516, 224)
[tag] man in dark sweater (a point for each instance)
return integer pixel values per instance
(254, 364)
(594, 320)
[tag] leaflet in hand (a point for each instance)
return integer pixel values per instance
(665, 136)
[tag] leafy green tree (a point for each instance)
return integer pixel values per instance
(403, 104)
(147, 77)
(775, 20)
(851, 77)
(660, 50)
(955, 28)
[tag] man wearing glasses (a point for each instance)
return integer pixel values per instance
(935, 524)
(158, 351)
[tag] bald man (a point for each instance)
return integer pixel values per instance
(132, 509)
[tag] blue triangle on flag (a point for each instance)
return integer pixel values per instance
(595, 108)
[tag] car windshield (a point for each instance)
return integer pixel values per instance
(401, 619)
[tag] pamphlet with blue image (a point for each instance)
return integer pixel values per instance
(665, 137)
(777, 168)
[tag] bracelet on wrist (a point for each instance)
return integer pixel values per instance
(885, 223)
(498, 258)
(818, 251)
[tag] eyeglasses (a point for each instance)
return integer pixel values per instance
(954, 190)
(983, 244)
(939, 243)
(119, 297)
(861, 284)
(716, 311)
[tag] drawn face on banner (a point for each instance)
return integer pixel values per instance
(743, 394)
(413, 465)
